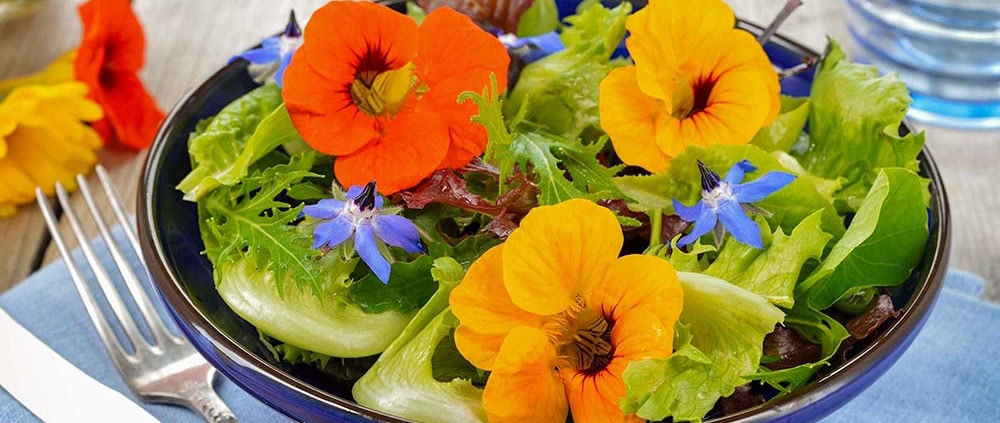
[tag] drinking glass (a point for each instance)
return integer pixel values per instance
(947, 52)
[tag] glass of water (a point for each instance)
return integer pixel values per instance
(947, 52)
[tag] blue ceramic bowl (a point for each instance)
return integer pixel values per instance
(171, 244)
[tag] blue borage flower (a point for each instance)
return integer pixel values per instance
(724, 204)
(275, 50)
(530, 49)
(361, 215)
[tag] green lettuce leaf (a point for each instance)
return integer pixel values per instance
(327, 325)
(546, 156)
(402, 380)
(688, 261)
(559, 92)
(854, 125)
(246, 221)
(410, 285)
(782, 134)
(773, 271)
(815, 326)
(884, 242)
(344, 369)
(218, 150)
(727, 325)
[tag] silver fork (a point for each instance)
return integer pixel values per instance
(165, 370)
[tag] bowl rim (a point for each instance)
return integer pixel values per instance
(168, 283)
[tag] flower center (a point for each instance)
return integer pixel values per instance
(583, 336)
(723, 192)
(690, 98)
(591, 349)
(380, 93)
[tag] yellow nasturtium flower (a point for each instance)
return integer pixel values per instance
(557, 316)
(44, 139)
(697, 80)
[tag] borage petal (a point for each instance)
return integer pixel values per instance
(737, 223)
(279, 76)
(327, 208)
(689, 214)
(364, 243)
(333, 232)
(268, 52)
(702, 225)
(758, 189)
(736, 173)
(400, 232)
(560, 252)
(523, 386)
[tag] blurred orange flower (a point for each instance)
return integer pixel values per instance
(557, 316)
(371, 87)
(697, 80)
(108, 60)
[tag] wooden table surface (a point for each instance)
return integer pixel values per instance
(187, 40)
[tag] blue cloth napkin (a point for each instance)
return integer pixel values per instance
(950, 373)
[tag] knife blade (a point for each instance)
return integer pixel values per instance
(54, 389)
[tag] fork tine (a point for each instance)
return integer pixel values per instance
(104, 330)
(103, 280)
(119, 209)
(156, 326)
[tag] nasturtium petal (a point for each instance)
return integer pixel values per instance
(595, 398)
(524, 387)
(626, 114)
(559, 252)
(666, 33)
(487, 314)
(642, 333)
(394, 159)
(634, 282)
(445, 35)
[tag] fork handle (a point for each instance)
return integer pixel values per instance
(200, 397)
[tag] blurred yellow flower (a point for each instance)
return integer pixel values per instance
(44, 139)
(60, 70)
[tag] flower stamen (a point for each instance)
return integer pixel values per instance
(366, 199)
(590, 350)
(380, 93)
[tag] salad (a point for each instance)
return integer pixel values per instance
(495, 215)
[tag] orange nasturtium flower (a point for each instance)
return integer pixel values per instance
(696, 81)
(44, 139)
(557, 316)
(372, 88)
(108, 60)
